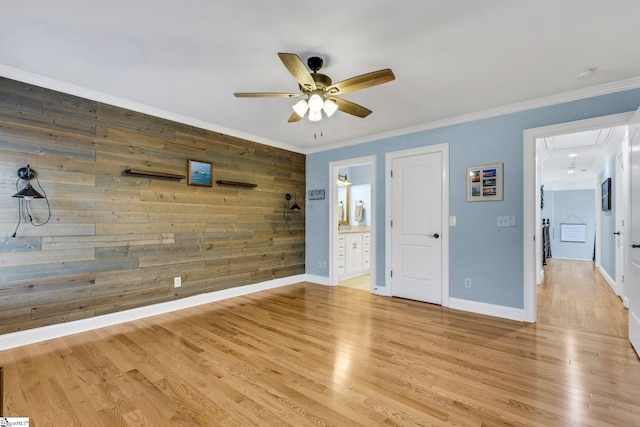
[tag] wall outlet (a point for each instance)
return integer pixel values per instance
(467, 282)
(322, 264)
(177, 282)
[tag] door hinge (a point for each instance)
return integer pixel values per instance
(623, 278)
(391, 273)
(391, 223)
(391, 174)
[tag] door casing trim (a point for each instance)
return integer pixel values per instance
(530, 231)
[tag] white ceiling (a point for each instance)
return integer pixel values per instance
(451, 58)
(574, 160)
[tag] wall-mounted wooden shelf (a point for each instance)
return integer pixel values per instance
(154, 174)
(236, 184)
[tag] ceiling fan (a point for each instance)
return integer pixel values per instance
(319, 93)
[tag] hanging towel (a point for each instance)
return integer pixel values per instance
(340, 213)
(359, 215)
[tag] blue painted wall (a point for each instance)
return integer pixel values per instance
(608, 223)
(574, 207)
(491, 256)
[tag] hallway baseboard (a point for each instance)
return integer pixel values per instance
(494, 310)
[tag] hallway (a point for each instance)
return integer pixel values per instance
(574, 295)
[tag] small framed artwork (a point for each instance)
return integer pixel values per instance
(573, 232)
(606, 195)
(316, 194)
(484, 183)
(199, 173)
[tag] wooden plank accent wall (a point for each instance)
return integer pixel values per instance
(115, 242)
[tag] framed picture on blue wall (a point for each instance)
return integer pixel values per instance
(484, 183)
(606, 195)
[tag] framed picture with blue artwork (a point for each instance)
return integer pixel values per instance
(606, 195)
(199, 173)
(484, 183)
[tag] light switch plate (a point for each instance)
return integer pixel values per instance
(503, 221)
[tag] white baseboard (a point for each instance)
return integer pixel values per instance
(487, 309)
(31, 336)
(625, 302)
(609, 280)
(541, 275)
(318, 280)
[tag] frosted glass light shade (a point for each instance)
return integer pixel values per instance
(301, 107)
(329, 107)
(315, 102)
(315, 116)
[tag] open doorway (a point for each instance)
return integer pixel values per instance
(576, 229)
(352, 223)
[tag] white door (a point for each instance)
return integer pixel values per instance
(416, 215)
(619, 199)
(633, 279)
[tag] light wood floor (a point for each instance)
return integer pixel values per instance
(315, 355)
(574, 295)
(359, 282)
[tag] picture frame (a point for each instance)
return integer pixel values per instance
(316, 194)
(484, 183)
(606, 195)
(199, 173)
(573, 232)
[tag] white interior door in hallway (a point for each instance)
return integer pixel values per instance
(632, 279)
(417, 227)
(620, 185)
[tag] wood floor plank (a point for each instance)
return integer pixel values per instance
(313, 355)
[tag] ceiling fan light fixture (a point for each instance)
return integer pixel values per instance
(329, 107)
(315, 116)
(301, 107)
(315, 102)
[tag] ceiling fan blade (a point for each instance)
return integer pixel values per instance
(267, 95)
(298, 70)
(294, 118)
(364, 81)
(351, 107)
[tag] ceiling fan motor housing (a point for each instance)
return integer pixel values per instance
(315, 63)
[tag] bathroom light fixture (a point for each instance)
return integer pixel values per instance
(343, 181)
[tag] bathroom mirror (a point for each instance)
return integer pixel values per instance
(343, 205)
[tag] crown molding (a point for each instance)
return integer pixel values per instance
(70, 89)
(576, 95)
(604, 89)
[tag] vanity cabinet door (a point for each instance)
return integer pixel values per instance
(354, 253)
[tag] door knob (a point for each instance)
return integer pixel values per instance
(617, 233)
(434, 235)
(635, 246)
